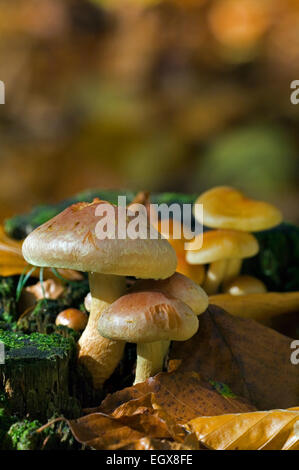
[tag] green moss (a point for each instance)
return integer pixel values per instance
(277, 263)
(8, 310)
(23, 435)
(5, 423)
(35, 346)
(223, 389)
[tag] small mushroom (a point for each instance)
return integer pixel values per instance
(178, 286)
(243, 285)
(224, 250)
(72, 318)
(49, 289)
(69, 240)
(148, 319)
(227, 208)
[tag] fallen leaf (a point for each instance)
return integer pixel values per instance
(182, 395)
(150, 415)
(260, 307)
(260, 430)
(129, 424)
(103, 432)
(253, 360)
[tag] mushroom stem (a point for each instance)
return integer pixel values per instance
(233, 269)
(215, 276)
(101, 355)
(150, 357)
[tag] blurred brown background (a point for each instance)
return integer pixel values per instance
(159, 95)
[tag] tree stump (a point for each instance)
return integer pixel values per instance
(36, 374)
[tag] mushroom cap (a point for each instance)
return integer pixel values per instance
(242, 285)
(145, 317)
(224, 244)
(69, 241)
(228, 208)
(181, 287)
(72, 318)
(175, 228)
(196, 272)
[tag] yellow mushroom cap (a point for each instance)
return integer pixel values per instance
(181, 287)
(196, 272)
(227, 208)
(224, 244)
(145, 317)
(242, 285)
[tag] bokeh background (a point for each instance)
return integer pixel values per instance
(158, 95)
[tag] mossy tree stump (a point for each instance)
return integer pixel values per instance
(36, 374)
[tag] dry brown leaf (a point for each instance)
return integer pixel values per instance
(181, 395)
(253, 360)
(150, 415)
(127, 426)
(103, 432)
(260, 430)
(260, 307)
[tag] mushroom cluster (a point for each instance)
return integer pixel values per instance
(69, 241)
(161, 307)
(232, 217)
(162, 304)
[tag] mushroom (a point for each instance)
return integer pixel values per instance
(242, 285)
(48, 289)
(180, 287)
(227, 208)
(148, 319)
(69, 240)
(72, 318)
(224, 250)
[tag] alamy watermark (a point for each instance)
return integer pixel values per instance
(137, 221)
(2, 353)
(2, 92)
(294, 97)
(295, 354)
